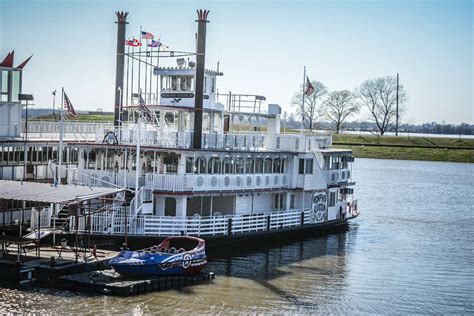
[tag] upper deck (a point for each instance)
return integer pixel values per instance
(154, 136)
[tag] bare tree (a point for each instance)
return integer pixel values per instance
(309, 112)
(379, 98)
(338, 106)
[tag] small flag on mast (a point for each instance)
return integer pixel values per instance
(68, 106)
(134, 42)
(147, 35)
(154, 43)
(144, 108)
(309, 87)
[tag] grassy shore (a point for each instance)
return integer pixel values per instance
(409, 148)
(92, 118)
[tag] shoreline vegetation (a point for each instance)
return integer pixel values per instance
(434, 148)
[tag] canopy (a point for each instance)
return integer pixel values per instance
(47, 193)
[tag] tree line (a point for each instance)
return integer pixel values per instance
(378, 96)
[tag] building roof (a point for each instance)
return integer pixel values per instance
(47, 193)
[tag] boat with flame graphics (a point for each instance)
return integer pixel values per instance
(174, 256)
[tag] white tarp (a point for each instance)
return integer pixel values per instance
(44, 192)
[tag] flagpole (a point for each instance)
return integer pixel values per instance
(131, 83)
(146, 67)
(128, 67)
(61, 126)
(137, 159)
(158, 66)
(139, 57)
(302, 103)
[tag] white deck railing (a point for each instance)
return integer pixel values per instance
(215, 182)
(110, 223)
(337, 176)
(43, 217)
(152, 135)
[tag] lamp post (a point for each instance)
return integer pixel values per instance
(54, 103)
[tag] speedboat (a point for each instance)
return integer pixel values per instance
(174, 256)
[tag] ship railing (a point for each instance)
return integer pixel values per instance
(337, 176)
(242, 103)
(40, 218)
(212, 182)
(97, 178)
(80, 131)
(114, 223)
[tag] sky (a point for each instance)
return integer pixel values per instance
(262, 47)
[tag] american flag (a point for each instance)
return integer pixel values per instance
(147, 35)
(144, 108)
(309, 88)
(154, 43)
(68, 106)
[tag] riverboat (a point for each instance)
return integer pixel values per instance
(193, 161)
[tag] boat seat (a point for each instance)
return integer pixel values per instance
(181, 250)
(172, 250)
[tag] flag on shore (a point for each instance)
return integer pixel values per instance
(144, 108)
(309, 88)
(68, 106)
(147, 35)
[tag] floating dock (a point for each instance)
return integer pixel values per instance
(111, 283)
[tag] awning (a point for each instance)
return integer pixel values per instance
(47, 193)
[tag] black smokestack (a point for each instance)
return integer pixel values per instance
(200, 63)
(121, 26)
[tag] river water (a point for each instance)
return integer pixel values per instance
(411, 251)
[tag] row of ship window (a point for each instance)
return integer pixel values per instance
(237, 165)
(35, 154)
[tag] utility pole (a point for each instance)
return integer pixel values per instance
(396, 122)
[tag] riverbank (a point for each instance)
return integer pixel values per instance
(407, 147)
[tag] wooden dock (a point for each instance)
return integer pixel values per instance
(111, 283)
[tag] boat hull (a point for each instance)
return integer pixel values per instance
(160, 260)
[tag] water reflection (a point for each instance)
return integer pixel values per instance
(410, 252)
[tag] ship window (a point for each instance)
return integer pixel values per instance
(301, 166)
(185, 83)
(276, 165)
(213, 84)
(15, 85)
(205, 83)
(4, 86)
(169, 118)
(227, 165)
(239, 165)
(174, 83)
(214, 165)
(170, 206)
(200, 165)
(268, 165)
(91, 160)
(249, 166)
(332, 199)
(309, 166)
(189, 164)
(259, 165)
(292, 201)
